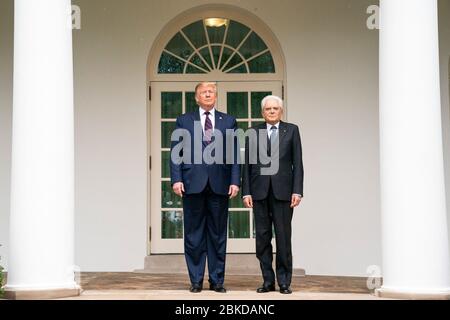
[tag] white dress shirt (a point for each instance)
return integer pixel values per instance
(269, 128)
(211, 117)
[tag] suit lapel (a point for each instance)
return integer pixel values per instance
(195, 115)
(218, 118)
(260, 128)
(282, 130)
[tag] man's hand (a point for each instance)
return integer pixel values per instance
(178, 188)
(295, 200)
(233, 191)
(248, 202)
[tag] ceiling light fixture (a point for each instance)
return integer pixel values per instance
(216, 22)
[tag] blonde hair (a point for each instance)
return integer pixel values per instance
(206, 83)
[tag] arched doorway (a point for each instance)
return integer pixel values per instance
(217, 43)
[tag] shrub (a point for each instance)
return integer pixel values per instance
(1, 279)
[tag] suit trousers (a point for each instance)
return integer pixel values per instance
(205, 234)
(279, 213)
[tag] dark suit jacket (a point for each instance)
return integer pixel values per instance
(196, 176)
(288, 179)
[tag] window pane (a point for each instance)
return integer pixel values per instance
(216, 54)
(262, 64)
(240, 69)
(165, 164)
(171, 225)
(256, 102)
(206, 55)
(237, 104)
(166, 132)
(244, 127)
(171, 104)
(179, 46)
(191, 105)
(236, 59)
(199, 62)
(170, 64)
(239, 224)
(216, 34)
(168, 198)
(252, 46)
(236, 202)
(236, 33)
(196, 33)
(225, 55)
(192, 69)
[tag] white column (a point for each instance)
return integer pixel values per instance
(42, 177)
(414, 225)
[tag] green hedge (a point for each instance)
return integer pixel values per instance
(1, 281)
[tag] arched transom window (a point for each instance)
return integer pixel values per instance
(216, 44)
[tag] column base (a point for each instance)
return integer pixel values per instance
(38, 294)
(412, 294)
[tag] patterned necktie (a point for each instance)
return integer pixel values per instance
(208, 128)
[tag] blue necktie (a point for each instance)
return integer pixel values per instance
(273, 132)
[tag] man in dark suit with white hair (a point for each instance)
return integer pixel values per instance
(273, 195)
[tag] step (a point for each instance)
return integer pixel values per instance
(236, 264)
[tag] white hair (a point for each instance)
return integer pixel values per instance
(267, 98)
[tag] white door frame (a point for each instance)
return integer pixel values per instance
(179, 80)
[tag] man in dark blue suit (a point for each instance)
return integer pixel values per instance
(202, 173)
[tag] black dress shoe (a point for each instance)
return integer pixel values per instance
(217, 288)
(264, 288)
(285, 289)
(195, 288)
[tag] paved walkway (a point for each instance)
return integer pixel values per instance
(141, 286)
(209, 295)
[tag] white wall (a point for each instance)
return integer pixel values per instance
(332, 93)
